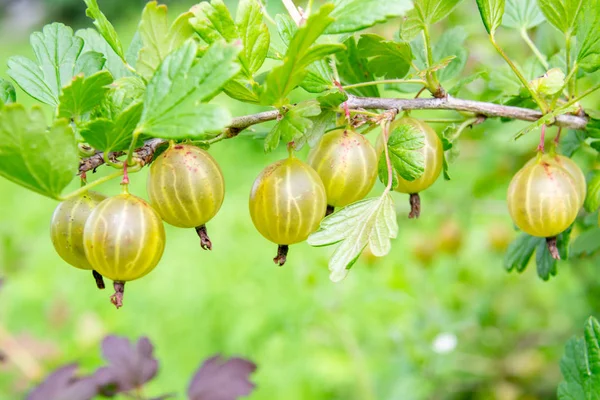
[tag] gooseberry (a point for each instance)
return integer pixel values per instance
(544, 198)
(287, 203)
(186, 188)
(347, 164)
(66, 230)
(124, 239)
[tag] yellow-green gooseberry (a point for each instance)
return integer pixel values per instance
(287, 203)
(544, 198)
(433, 156)
(186, 188)
(347, 164)
(66, 230)
(124, 239)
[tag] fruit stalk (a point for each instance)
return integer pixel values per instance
(415, 206)
(282, 252)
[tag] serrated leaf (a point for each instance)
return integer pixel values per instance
(105, 28)
(562, 14)
(550, 83)
(426, 12)
(158, 38)
(222, 379)
(586, 244)
(83, 94)
(580, 365)
(519, 252)
(89, 63)
(112, 135)
(8, 94)
(355, 15)
(592, 199)
(451, 44)
(34, 156)
(369, 222)
(320, 124)
(294, 124)
(386, 58)
(546, 265)
(122, 93)
(57, 51)
(405, 146)
(301, 53)
(571, 142)
(94, 42)
(522, 14)
(588, 36)
(491, 12)
(175, 101)
(353, 68)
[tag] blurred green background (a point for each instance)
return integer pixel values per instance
(439, 318)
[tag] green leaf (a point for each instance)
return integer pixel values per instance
(491, 13)
(243, 89)
(586, 244)
(122, 93)
(458, 86)
(174, 105)
(83, 94)
(89, 63)
(299, 55)
(550, 83)
(580, 365)
(293, 126)
(522, 14)
(519, 252)
(562, 14)
(57, 51)
(546, 265)
(104, 27)
(447, 146)
(320, 124)
(405, 146)
(158, 38)
(34, 156)
(588, 36)
(94, 42)
(332, 100)
(113, 135)
(354, 15)
(592, 200)
(451, 44)
(426, 12)
(386, 58)
(369, 222)
(353, 68)
(213, 22)
(571, 142)
(8, 94)
(319, 78)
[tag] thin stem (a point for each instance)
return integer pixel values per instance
(385, 81)
(464, 125)
(361, 112)
(534, 95)
(385, 127)
(570, 87)
(265, 13)
(293, 11)
(540, 147)
(136, 135)
(535, 50)
(91, 185)
(431, 76)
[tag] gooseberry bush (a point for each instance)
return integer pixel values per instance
(148, 106)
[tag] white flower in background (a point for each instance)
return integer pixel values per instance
(444, 343)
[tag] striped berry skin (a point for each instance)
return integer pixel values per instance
(433, 153)
(124, 238)
(186, 186)
(347, 164)
(66, 230)
(543, 197)
(287, 201)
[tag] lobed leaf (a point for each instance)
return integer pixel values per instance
(405, 147)
(83, 94)
(34, 156)
(571, 142)
(293, 126)
(588, 36)
(386, 58)
(222, 379)
(352, 67)
(113, 135)
(370, 222)
(424, 13)
(106, 29)
(355, 15)
(175, 100)
(550, 83)
(491, 12)
(563, 14)
(94, 42)
(522, 14)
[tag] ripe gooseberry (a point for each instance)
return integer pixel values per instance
(544, 199)
(433, 155)
(66, 230)
(186, 188)
(347, 164)
(124, 239)
(287, 203)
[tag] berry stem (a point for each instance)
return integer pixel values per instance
(125, 180)
(557, 138)
(415, 206)
(282, 252)
(205, 242)
(99, 279)
(540, 147)
(330, 210)
(117, 298)
(552, 247)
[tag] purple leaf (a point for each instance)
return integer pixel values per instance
(62, 384)
(129, 366)
(220, 379)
